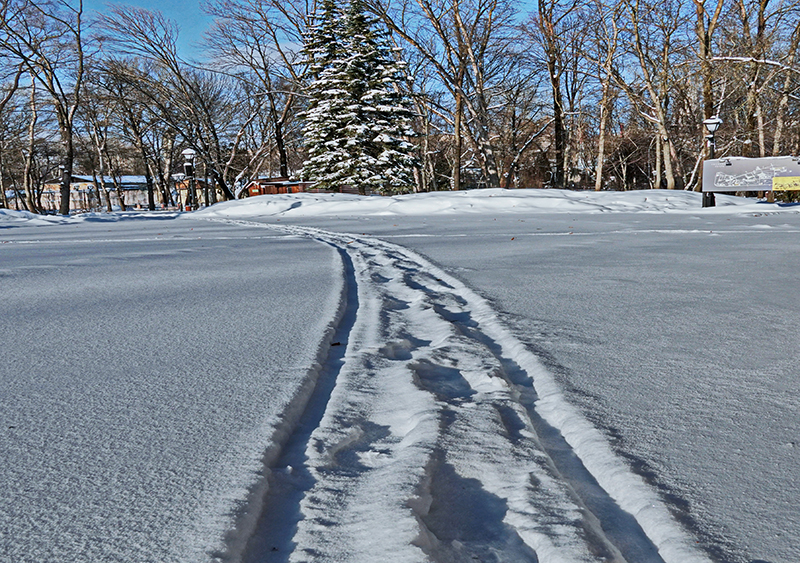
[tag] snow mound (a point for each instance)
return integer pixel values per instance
(482, 201)
(488, 201)
(9, 217)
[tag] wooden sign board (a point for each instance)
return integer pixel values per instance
(739, 174)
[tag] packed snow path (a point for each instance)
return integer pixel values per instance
(435, 435)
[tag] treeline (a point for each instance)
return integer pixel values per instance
(587, 94)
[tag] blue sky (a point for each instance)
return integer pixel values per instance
(186, 13)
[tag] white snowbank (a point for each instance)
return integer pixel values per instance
(11, 217)
(437, 203)
(483, 201)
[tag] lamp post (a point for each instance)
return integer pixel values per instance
(712, 124)
(188, 170)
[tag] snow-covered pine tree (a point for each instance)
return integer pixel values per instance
(394, 118)
(367, 147)
(385, 159)
(326, 114)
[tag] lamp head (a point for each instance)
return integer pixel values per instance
(712, 124)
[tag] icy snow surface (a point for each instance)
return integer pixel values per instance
(146, 364)
(528, 375)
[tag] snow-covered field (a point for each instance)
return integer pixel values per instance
(146, 365)
(503, 376)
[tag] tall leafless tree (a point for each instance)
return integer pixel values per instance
(468, 44)
(47, 37)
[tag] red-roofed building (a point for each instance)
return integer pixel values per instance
(264, 186)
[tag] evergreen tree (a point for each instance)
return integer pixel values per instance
(358, 102)
(326, 115)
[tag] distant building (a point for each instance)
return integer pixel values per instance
(183, 188)
(265, 186)
(272, 186)
(84, 195)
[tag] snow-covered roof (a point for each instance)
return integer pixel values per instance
(127, 180)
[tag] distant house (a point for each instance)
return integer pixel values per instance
(183, 189)
(84, 194)
(271, 186)
(265, 186)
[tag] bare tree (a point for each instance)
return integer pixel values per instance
(706, 24)
(47, 37)
(9, 85)
(200, 104)
(762, 53)
(257, 40)
(31, 196)
(522, 122)
(603, 54)
(139, 122)
(658, 38)
(99, 116)
(468, 44)
(552, 27)
(789, 79)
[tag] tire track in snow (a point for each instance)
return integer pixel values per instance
(288, 477)
(444, 439)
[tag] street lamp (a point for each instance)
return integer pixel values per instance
(188, 170)
(712, 124)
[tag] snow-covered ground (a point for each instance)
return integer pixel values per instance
(146, 365)
(515, 376)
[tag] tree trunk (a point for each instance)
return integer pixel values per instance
(30, 200)
(558, 124)
(220, 181)
(601, 140)
(151, 196)
(3, 181)
(120, 193)
(657, 180)
(668, 172)
(762, 140)
(280, 142)
(101, 148)
(106, 192)
(283, 158)
(427, 164)
(148, 176)
(704, 28)
(488, 161)
(169, 145)
(678, 173)
(457, 149)
(781, 113)
(550, 38)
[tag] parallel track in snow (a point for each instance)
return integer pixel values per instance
(436, 435)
